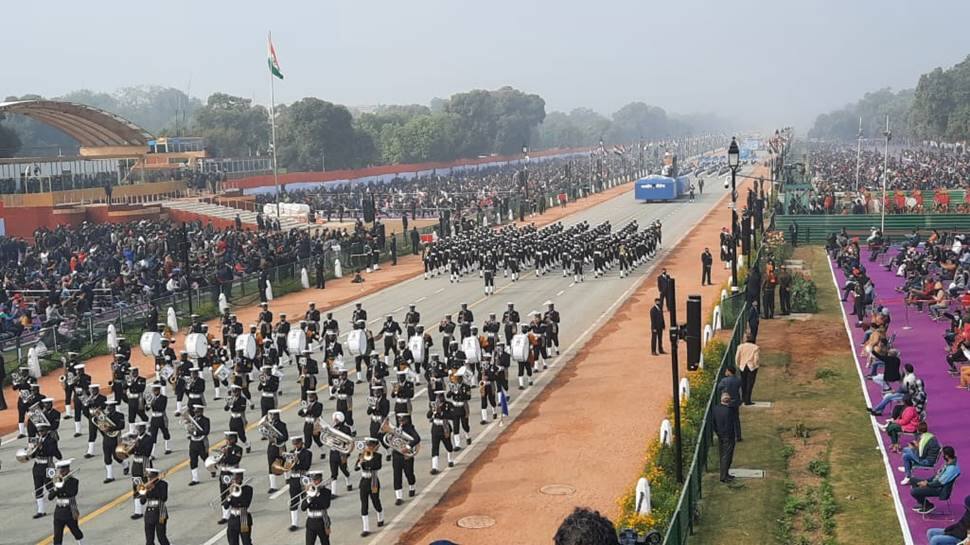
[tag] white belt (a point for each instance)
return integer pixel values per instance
(138, 459)
(457, 403)
(438, 422)
(41, 460)
(365, 474)
(154, 503)
(376, 418)
(63, 502)
(341, 396)
(235, 512)
(309, 419)
(197, 438)
(236, 415)
(401, 400)
(316, 514)
(194, 395)
(268, 395)
(226, 467)
(156, 414)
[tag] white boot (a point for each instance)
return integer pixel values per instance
(294, 519)
(380, 518)
(168, 447)
(360, 376)
(109, 472)
(484, 415)
(366, 526)
(178, 408)
(90, 448)
(333, 488)
(456, 439)
(77, 426)
(139, 508)
(434, 463)
(225, 514)
(399, 495)
(451, 462)
(521, 382)
(410, 490)
(347, 482)
(217, 394)
(41, 506)
(195, 475)
(272, 482)
(22, 429)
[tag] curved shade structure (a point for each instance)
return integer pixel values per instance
(91, 127)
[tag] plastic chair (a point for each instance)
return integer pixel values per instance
(944, 497)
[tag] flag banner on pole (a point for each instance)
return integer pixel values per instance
(504, 402)
(274, 63)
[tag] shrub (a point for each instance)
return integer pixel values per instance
(803, 294)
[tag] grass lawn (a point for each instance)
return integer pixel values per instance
(825, 482)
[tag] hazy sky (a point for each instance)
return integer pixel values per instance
(765, 63)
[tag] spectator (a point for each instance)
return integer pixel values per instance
(746, 358)
(921, 491)
(726, 440)
(921, 452)
(907, 422)
(585, 527)
(953, 534)
(731, 384)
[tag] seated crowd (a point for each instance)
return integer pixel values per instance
(934, 273)
(919, 181)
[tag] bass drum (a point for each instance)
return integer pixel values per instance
(296, 341)
(357, 342)
(246, 345)
(150, 343)
(472, 349)
(196, 345)
(416, 346)
(521, 348)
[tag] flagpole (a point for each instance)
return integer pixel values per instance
(272, 120)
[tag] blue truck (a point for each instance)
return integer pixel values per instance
(661, 188)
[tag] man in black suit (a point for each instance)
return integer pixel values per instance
(657, 327)
(724, 428)
(663, 281)
(707, 260)
(754, 320)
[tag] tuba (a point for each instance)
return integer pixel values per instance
(36, 414)
(267, 430)
(397, 440)
(283, 464)
(212, 461)
(103, 423)
(190, 424)
(125, 446)
(25, 454)
(337, 440)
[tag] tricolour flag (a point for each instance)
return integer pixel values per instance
(274, 63)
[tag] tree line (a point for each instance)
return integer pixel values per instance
(937, 109)
(313, 134)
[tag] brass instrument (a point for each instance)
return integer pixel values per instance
(397, 440)
(144, 488)
(174, 377)
(189, 423)
(103, 423)
(149, 397)
(25, 454)
(267, 430)
(309, 491)
(36, 414)
(125, 446)
(57, 480)
(284, 464)
(84, 398)
(16, 377)
(372, 402)
(68, 379)
(235, 489)
(212, 461)
(337, 440)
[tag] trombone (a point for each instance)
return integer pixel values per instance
(310, 490)
(234, 489)
(56, 479)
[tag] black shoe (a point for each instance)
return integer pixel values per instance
(77, 435)
(323, 455)
(135, 517)
(222, 521)
(520, 387)
(293, 528)
(193, 483)
(125, 470)
(106, 481)
(456, 449)
(434, 471)
(387, 458)
(468, 440)
(495, 416)
(380, 524)
(398, 501)
(451, 464)
(662, 352)
(263, 439)
(249, 449)
(271, 490)
(364, 534)
(167, 451)
(350, 487)
(217, 398)
(39, 515)
(88, 456)
(482, 423)
(653, 353)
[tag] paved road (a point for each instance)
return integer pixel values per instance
(105, 508)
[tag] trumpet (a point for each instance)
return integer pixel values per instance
(25, 454)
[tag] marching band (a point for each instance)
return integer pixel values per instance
(468, 361)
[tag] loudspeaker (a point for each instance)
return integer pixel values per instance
(693, 331)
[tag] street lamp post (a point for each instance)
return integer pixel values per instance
(734, 161)
(885, 176)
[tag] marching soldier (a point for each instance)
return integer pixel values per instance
(316, 504)
(465, 320)
(308, 380)
(330, 323)
(343, 390)
(551, 318)
(32, 398)
(488, 273)
(411, 320)
(269, 383)
(389, 331)
(303, 458)
(537, 337)
(403, 391)
(109, 439)
(501, 361)
(196, 325)
(52, 415)
(141, 460)
(236, 407)
(24, 387)
(277, 445)
(182, 370)
(82, 383)
(338, 460)
(378, 407)
(447, 330)
(458, 395)
(44, 458)
(153, 497)
(440, 417)
(311, 413)
(70, 379)
(158, 420)
(195, 387)
(166, 358)
(136, 398)
(119, 376)
(525, 366)
(490, 329)
(281, 331)
(403, 466)
(358, 314)
(237, 502)
(369, 463)
(312, 314)
(96, 402)
(333, 352)
(231, 455)
(64, 494)
(511, 320)
(265, 314)
(198, 435)
(486, 390)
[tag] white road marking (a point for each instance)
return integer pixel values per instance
(560, 292)
(280, 492)
(571, 284)
(398, 309)
(439, 291)
(419, 299)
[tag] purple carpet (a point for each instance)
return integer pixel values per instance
(947, 407)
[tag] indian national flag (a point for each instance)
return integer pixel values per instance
(274, 63)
